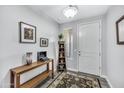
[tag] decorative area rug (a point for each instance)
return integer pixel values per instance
(67, 80)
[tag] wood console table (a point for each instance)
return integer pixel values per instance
(16, 72)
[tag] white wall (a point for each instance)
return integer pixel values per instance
(114, 52)
(11, 51)
(103, 46)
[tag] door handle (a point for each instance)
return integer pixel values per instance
(79, 53)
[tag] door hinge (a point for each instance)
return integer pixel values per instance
(99, 68)
(99, 54)
(99, 40)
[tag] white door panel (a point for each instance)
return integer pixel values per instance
(87, 65)
(89, 48)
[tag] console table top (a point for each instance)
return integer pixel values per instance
(25, 68)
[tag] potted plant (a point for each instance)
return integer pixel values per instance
(60, 36)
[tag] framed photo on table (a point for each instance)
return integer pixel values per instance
(44, 42)
(27, 33)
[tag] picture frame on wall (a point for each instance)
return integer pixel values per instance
(120, 30)
(27, 33)
(44, 42)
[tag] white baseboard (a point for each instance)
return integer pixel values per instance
(107, 80)
(75, 70)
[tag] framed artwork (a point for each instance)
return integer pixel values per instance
(120, 30)
(44, 42)
(27, 33)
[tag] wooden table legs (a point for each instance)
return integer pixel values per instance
(13, 79)
(48, 68)
(17, 78)
(52, 69)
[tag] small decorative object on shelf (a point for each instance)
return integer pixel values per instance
(61, 61)
(61, 66)
(60, 37)
(29, 58)
(61, 55)
(61, 46)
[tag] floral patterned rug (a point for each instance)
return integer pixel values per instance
(67, 80)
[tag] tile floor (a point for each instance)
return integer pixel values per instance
(46, 82)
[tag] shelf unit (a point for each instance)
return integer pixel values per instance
(61, 59)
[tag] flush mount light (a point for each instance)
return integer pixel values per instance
(70, 11)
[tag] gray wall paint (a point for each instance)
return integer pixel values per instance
(11, 51)
(103, 44)
(114, 52)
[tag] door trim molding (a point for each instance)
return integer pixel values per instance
(100, 42)
(110, 84)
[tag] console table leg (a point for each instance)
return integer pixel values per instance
(17, 77)
(52, 69)
(48, 67)
(11, 79)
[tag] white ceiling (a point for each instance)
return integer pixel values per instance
(85, 11)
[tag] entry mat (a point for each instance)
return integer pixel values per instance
(68, 80)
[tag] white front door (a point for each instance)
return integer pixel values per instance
(89, 48)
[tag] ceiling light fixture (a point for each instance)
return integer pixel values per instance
(70, 11)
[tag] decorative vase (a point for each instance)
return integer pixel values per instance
(29, 58)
